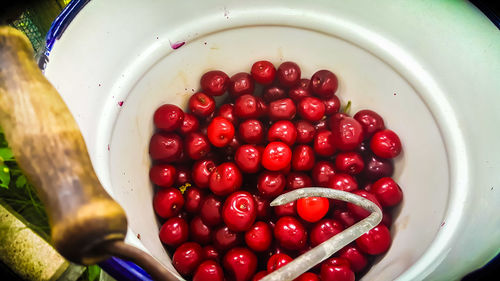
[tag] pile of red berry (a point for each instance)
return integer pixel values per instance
(274, 132)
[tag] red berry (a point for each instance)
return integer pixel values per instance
(259, 275)
(349, 162)
(376, 241)
(202, 169)
(300, 90)
(347, 133)
(227, 111)
(283, 109)
(288, 74)
(262, 206)
(187, 257)
(168, 117)
(323, 143)
(174, 232)
(248, 158)
(241, 84)
(168, 202)
(385, 144)
(332, 105)
(387, 191)
(371, 122)
(165, 147)
(210, 253)
(162, 175)
(183, 176)
(324, 230)
(345, 217)
(238, 211)
(321, 125)
(336, 269)
(271, 184)
(209, 270)
(225, 239)
(355, 257)
(303, 158)
(284, 131)
(296, 180)
(263, 72)
(305, 131)
(343, 182)
(193, 199)
(376, 168)
(214, 82)
(196, 146)
(259, 237)
(251, 131)
(272, 93)
(211, 210)
(190, 124)
(201, 105)
(358, 211)
(277, 261)
(232, 146)
(311, 109)
(324, 84)
(276, 156)
(199, 231)
(308, 276)
(240, 264)
(220, 131)
(247, 106)
(312, 209)
(322, 173)
(225, 179)
(290, 233)
(288, 209)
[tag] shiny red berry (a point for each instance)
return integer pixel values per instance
(290, 233)
(347, 133)
(247, 106)
(322, 173)
(349, 162)
(190, 124)
(336, 269)
(241, 84)
(356, 258)
(272, 93)
(211, 210)
(358, 211)
(187, 257)
(225, 179)
(251, 131)
(312, 209)
(371, 122)
(276, 156)
(323, 143)
(308, 276)
(174, 232)
(239, 211)
(193, 199)
(209, 270)
(305, 131)
(283, 131)
(271, 184)
(168, 202)
(385, 144)
(311, 109)
(324, 84)
(168, 117)
(376, 168)
(303, 158)
(240, 264)
(202, 169)
(283, 109)
(214, 82)
(288, 209)
(387, 191)
(225, 239)
(162, 175)
(259, 237)
(343, 182)
(227, 111)
(300, 91)
(196, 145)
(376, 241)
(201, 105)
(332, 105)
(296, 180)
(165, 147)
(263, 72)
(210, 253)
(248, 158)
(324, 230)
(277, 261)
(199, 231)
(220, 131)
(288, 74)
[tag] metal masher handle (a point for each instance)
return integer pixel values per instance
(326, 249)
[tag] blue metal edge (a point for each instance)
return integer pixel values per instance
(58, 27)
(124, 270)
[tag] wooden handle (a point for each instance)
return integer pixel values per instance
(49, 147)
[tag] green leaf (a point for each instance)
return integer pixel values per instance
(4, 176)
(6, 154)
(93, 272)
(21, 181)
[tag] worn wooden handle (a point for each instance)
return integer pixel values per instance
(50, 149)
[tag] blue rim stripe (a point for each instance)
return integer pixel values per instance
(124, 270)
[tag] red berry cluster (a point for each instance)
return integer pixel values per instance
(274, 132)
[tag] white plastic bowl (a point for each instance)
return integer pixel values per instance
(429, 68)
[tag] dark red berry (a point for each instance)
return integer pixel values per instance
(358, 211)
(193, 199)
(347, 133)
(288, 209)
(210, 253)
(343, 182)
(277, 261)
(259, 237)
(283, 131)
(332, 105)
(251, 131)
(311, 109)
(305, 131)
(259, 275)
(322, 173)
(300, 90)
(168, 202)
(240, 264)
(211, 210)
(247, 106)
(387, 191)
(225, 239)
(323, 143)
(214, 83)
(165, 147)
(271, 184)
(174, 232)
(263, 72)
(376, 241)
(201, 172)
(386, 219)
(324, 84)
(190, 124)
(371, 122)
(290, 233)
(262, 206)
(303, 158)
(196, 146)
(324, 230)
(376, 168)
(201, 105)
(349, 162)
(241, 84)
(288, 74)
(239, 211)
(168, 117)
(162, 175)
(308, 276)
(283, 109)
(248, 158)
(199, 231)
(183, 175)
(272, 93)
(297, 180)
(321, 125)
(276, 156)
(227, 111)
(356, 258)
(385, 144)
(187, 257)
(220, 131)
(225, 179)
(209, 270)
(345, 217)
(336, 269)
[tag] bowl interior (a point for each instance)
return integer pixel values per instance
(364, 79)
